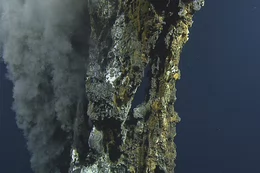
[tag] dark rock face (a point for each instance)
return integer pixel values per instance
(130, 84)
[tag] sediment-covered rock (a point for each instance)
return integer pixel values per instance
(130, 83)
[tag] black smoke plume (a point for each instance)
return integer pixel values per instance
(44, 44)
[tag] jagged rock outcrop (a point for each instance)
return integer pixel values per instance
(130, 84)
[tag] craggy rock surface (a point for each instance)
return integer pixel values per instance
(130, 85)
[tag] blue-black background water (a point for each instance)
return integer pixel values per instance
(218, 96)
(14, 155)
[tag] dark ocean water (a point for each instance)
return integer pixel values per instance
(14, 157)
(218, 96)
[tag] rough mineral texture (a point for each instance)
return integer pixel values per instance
(130, 85)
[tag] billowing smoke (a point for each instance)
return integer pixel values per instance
(44, 44)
